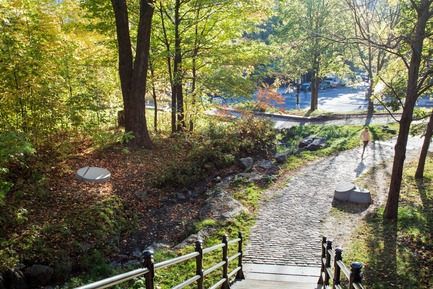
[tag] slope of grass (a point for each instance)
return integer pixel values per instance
(399, 254)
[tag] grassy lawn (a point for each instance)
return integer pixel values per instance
(398, 254)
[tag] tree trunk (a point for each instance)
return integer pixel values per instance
(315, 82)
(391, 209)
(370, 108)
(133, 75)
(177, 71)
(424, 150)
(155, 103)
(314, 92)
(169, 68)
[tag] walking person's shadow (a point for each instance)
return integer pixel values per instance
(360, 168)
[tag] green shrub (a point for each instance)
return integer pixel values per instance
(13, 148)
(214, 147)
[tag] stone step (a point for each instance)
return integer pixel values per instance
(263, 284)
(277, 276)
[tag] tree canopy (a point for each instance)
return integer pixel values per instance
(69, 67)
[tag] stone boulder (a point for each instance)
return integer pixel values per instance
(247, 163)
(14, 279)
(40, 275)
(220, 205)
(312, 143)
(281, 158)
(386, 128)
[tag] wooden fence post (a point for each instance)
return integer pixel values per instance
(240, 273)
(199, 263)
(322, 265)
(337, 269)
(225, 259)
(328, 261)
(355, 274)
(149, 264)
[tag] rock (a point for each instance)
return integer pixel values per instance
(63, 268)
(181, 196)
(297, 152)
(220, 205)
(305, 142)
(312, 143)
(268, 167)
(317, 144)
(247, 163)
(266, 164)
(187, 242)
(122, 258)
(225, 183)
(132, 263)
(249, 176)
(281, 157)
(14, 279)
(137, 253)
(2, 282)
(115, 264)
(386, 128)
(157, 246)
(41, 274)
(142, 196)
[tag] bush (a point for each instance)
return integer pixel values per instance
(216, 146)
(13, 148)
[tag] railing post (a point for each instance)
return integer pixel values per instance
(149, 264)
(322, 265)
(199, 263)
(337, 269)
(355, 274)
(240, 273)
(328, 261)
(225, 259)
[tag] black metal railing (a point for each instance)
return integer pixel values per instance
(150, 268)
(332, 278)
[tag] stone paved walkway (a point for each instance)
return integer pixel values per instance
(289, 227)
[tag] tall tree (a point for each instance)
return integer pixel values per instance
(405, 39)
(53, 77)
(424, 150)
(133, 72)
(309, 27)
(422, 12)
(372, 20)
(203, 43)
(407, 44)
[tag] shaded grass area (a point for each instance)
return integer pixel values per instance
(399, 254)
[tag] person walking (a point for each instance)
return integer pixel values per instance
(365, 137)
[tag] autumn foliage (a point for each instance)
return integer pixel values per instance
(51, 218)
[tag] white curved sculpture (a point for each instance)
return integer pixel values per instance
(349, 192)
(93, 174)
(342, 191)
(360, 196)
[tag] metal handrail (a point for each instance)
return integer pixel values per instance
(176, 260)
(331, 274)
(108, 282)
(213, 268)
(150, 268)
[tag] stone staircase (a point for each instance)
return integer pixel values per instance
(278, 277)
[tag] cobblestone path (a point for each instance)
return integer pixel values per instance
(289, 227)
